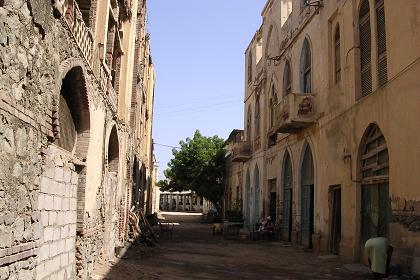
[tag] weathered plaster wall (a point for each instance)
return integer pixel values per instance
(343, 119)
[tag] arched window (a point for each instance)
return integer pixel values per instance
(365, 49)
(287, 198)
(337, 60)
(249, 124)
(273, 103)
(113, 151)
(249, 67)
(287, 79)
(257, 116)
(381, 33)
(374, 173)
(307, 197)
(306, 67)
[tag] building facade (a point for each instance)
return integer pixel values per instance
(331, 134)
(184, 201)
(76, 108)
(234, 182)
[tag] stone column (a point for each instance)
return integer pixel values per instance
(170, 202)
(177, 202)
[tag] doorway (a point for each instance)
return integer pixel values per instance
(287, 199)
(307, 198)
(376, 210)
(335, 218)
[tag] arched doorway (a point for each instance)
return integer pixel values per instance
(110, 194)
(307, 197)
(287, 199)
(374, 174)
(73, 130)
(257, 202)
(247, 196)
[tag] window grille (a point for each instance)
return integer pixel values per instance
(337, 55)
(381, 33)
(287, 84)
(365, 49)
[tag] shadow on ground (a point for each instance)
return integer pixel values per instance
(192, 252)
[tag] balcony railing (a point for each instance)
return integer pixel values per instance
(82, 34)
(241, 151)
(295, 112)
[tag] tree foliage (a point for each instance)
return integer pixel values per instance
(197, 166)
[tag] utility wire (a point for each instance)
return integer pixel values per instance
(167, 146)
(170, 106)
(197, 109)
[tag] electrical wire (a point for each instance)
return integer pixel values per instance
(198, 109)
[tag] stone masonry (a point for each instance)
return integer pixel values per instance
(58, 106)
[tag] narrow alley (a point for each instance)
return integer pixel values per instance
(194, 253)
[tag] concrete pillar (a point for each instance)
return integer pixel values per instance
(177, 202)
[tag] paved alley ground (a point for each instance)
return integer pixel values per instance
(194, 253)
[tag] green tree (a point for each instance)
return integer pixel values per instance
(199, 166)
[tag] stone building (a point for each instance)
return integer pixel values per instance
(76, 107)
(331, 138)
(184, 201)
(234, 169)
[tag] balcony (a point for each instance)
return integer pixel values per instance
(82, 33)
(241, 151)
(295, 112)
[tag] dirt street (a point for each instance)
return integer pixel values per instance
(194, 253)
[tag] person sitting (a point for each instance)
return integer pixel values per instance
(378, 251)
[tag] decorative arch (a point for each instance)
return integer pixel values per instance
(287, 79)
(71, 116)
(71, 123)
(373, 172)
(113, 154)
(307, 193)
(306, 67)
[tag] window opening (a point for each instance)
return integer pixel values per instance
(337, 54)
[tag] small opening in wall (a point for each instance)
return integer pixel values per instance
(1, 3)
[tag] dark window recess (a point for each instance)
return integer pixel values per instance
(306, 67)
(381, 32)
(337, 55)
(365, 49)
(272, 140)
(287, 81)
(249, 67)
(257, 116)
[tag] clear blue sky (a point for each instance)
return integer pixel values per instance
(198, 50)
